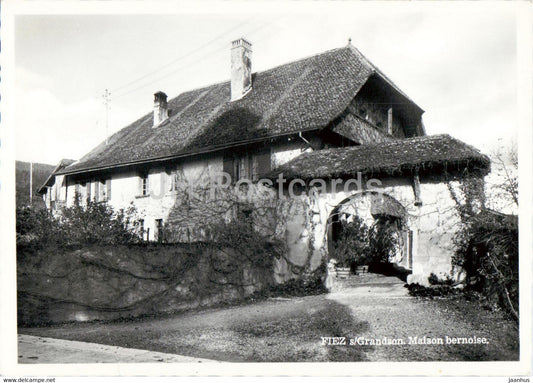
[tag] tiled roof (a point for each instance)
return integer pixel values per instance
(427, 154)
(50, 180)
(300, 96)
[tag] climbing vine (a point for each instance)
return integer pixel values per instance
(486, 246)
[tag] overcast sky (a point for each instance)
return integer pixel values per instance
(457, 63)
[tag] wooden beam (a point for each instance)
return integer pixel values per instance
(416, 189)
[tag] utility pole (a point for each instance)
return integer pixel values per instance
(107, 103)
(31, 183)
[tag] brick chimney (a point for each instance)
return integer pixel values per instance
(160, 108)
(241, 68)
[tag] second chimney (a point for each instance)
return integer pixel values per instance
(160, 108)
(241, 68)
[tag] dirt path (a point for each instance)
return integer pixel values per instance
(286, 330)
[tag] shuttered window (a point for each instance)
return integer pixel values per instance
(108, 189)
(171, 175)
(260, 164)
(77, 191)
(88, 190)
(97, 195)
(228, 166)
(143, 185)
(250, 166)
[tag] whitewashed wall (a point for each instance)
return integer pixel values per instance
(433, 225)
(125, 188)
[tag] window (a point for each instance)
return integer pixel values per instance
(247, 165)
(97, 197)
(260, 164)
(77, 192)
(102, 190)
(88, 191)
(158, 234)
(53, 193)
(236, 169)
(237, 166)
(108, 189)
(141, 228)
(174, 179)
(64, 190)
(49, 194)
(144, 185)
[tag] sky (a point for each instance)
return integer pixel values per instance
(458, 63)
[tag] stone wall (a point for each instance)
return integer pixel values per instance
(106, 283)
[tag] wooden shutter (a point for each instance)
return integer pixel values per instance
(169, 173)
(163, 177)
(77, 191)
(243, 167)
(97, 190)
(88, 189)
(108, 188)
(228, 166)
(261, 164)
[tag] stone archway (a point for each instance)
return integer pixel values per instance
(373, 208)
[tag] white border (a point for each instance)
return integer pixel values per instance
(8, 344)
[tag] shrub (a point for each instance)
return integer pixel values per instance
(259, 249)
(417, 290)
(78, 225)
(358, 244)
(35, 227)
(309, 283)
(436, 281)
(383, 241)
(352, 247)
(97, 223)
(487, 250)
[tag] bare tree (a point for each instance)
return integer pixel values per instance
(502, 183)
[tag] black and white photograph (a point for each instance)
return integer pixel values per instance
(234, 188)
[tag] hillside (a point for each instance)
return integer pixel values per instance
(40, 174)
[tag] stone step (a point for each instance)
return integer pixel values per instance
(370, 283)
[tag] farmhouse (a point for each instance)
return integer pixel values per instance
(330, 135)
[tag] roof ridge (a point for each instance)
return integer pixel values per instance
(397, 141)
(204, 87)
(377, 70)
(297, 61)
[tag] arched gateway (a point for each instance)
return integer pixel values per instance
(369, 210)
